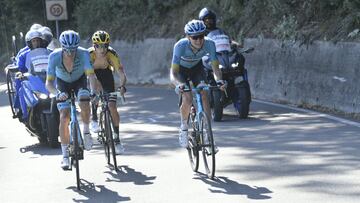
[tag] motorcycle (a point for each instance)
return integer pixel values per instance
(37, 110)
(235, 74)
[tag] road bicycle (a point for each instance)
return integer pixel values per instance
(76, 146)
(107, 126)
(200, 136)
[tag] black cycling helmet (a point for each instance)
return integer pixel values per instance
(209, 18)
(207, 13)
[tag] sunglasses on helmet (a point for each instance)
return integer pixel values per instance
(104, 46)
(197, 37)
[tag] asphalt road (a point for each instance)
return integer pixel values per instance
(278, 154)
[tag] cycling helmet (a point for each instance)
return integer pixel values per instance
(207, 13)
(69, 39)
(35, 26)
(46, 34)
(194, 27)
(101, 37)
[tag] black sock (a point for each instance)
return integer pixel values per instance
(116, 130)
(94, 112)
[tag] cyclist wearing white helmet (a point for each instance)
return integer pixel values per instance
(70, 65)
(187, 66)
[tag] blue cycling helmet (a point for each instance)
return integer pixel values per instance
(69, 39)
(194, 27)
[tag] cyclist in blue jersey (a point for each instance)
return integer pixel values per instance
(187, 65)
(70, 66)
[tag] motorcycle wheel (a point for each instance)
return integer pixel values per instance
(243, 104)
(217, 108)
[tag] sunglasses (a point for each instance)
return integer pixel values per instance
(104, 46)
(69, 51)
(197, 37)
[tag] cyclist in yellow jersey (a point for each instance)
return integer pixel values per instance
(106, 62)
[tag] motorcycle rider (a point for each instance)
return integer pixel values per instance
(70, 66)
(106, 64)
(213, 32)
(187, 64)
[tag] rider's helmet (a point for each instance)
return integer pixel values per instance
(194, 27)
(47, 36)
(206, 13)
(69, 39)
(32, 34)
(101, 37)
(35, 26)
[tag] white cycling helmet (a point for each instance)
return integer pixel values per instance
(194, 27)
(35, 26)
(46, 33)
(31, 34)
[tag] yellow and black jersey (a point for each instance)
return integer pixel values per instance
(112, 58)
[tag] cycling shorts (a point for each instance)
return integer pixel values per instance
(79, 87)
(195, 74)
(106, 79)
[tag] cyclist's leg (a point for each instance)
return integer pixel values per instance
(94, 106)
(83, 96)
(64, 112)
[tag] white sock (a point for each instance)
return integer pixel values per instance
(86, 128)
(184, 125)
(64, 149)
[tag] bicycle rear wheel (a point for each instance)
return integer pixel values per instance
(76, 153)
(105, 141)
(207, 145)
(193, 147)
(109, 135)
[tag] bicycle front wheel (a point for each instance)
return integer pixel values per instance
(105, 141)
(109, 137)
(207, 144)
(193, 147)
(76, 152)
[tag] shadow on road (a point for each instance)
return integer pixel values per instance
(40, 149)
(127, 174)
(96, 193)
(226, 186)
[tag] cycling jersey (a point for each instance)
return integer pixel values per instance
(111, 56)
(184, 56)
(104, 74)
(20, 52)
(56, 68)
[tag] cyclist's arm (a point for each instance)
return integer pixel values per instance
(50, 76)
(175, 65)
(89, 71)
(214, 61)
(114, 61)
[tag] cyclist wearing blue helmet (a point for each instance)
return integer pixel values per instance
(187, 66)
(70, 65)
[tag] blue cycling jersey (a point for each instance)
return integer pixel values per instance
(184, 56)
(56, 68)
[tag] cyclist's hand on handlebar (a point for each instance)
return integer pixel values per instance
(122, 89)
(222, 84)
(94, 98)
(62, 96)
(180, 88)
